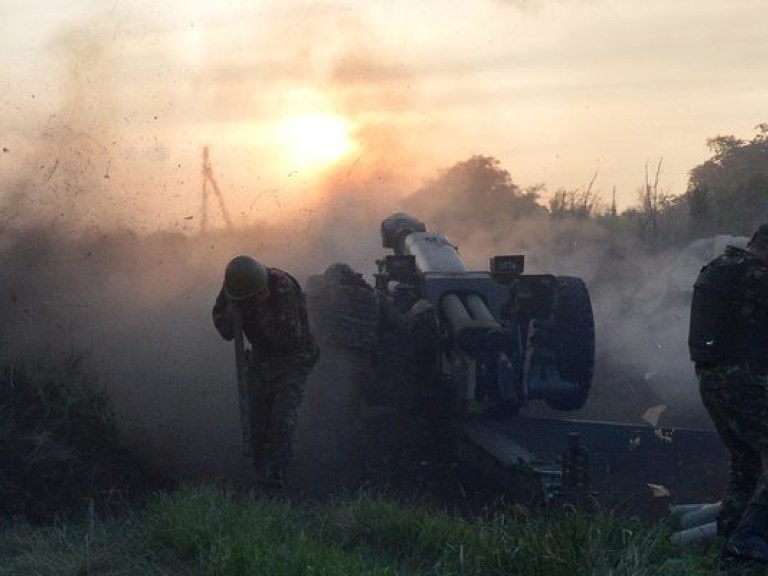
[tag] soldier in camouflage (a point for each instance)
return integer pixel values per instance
(728, 343)
(275, 321)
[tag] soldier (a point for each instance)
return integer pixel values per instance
(273, 314)
(728, 342)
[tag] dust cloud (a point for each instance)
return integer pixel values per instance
(102, 253)
(138, 306)
(109, 246)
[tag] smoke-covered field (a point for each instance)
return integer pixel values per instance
(138, 305)
(108, 247)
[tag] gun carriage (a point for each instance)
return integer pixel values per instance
(446, 358)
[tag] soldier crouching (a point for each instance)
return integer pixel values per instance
(270, 306)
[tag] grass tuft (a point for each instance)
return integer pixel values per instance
(207, 530)
(59, 447)
(230, 534)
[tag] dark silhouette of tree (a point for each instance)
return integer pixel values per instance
(729, 192)
(700, 211)
(474, 193)
(653, 202)
(579, 204)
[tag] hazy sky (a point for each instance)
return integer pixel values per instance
(111, 101)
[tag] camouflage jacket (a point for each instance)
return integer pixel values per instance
(729, 310)
(277, 329)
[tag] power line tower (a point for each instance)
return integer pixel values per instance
(208, 178)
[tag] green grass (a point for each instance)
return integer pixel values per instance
(206, 530)
(61, 462)
(222, 533)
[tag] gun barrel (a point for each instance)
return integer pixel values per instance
(433, 253)
(454, 310)
(473, 326)
(478, 309)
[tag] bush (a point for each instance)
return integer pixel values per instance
(59, 447)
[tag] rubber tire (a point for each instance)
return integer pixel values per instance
(573, 341)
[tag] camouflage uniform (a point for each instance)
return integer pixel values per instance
(283, 353)
(728, 342)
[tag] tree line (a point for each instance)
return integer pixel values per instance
(726, 194)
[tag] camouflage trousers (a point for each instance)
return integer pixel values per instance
(736, 398)
(274, 406)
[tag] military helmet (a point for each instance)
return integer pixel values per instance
(339, 272)
(244, 277)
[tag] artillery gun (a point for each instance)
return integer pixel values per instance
(502, 338)
(440, 359)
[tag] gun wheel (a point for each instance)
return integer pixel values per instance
(573, 341)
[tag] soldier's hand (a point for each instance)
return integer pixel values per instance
(421, 307)
(232, 307)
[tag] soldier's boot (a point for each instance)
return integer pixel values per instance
(747, 542)
(271, 478)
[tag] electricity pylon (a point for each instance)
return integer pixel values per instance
(208, 178)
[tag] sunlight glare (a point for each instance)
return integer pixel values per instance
(315, 139)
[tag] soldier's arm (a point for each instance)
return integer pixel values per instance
(757, 285)
(286, 332)
(391, 317)
(222, 318)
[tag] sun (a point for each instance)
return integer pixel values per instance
(315, 140)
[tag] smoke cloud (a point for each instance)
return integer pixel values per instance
(102, 252)
(139, 307)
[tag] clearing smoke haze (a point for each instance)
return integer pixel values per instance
(118, 99)
(144, 144)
